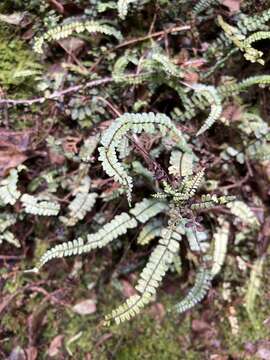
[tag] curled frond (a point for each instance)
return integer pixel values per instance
(39, 206)
(197, 293)
(136, 123)
(75, 27)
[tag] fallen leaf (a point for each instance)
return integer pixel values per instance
(232, 5)
(158, 311)
(85, 307)
(128, 289)
(13, 145)
(31, 353)
(200, 326)
(55, 345)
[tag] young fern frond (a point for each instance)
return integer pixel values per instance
(149, 232)
(75, 27)
(181, 163)
(136, 123)
(150, 278)
(213, 98)
(191, 184)
(197, 293)
(221, 238)
(39, 206)
(208, 201)
(9, 193)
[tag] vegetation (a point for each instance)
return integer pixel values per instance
(148, 147)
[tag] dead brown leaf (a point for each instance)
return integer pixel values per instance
(128, 289)
(85, 307)
(13, 145)
(55, 346)
(232, 5)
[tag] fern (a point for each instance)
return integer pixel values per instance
(9, 237)
(213, 98)
(203, 5)
(148, 208)
(253, 289)
(65, 30)
(136, 123)
(82, 203)
(118, 226)
(197, 293)
(9, 193)
(242, 211)
(122, 6)
(150, 277)
(221, 238)
(39, 206)
(208, 201)
(181, 164)
(149, 232)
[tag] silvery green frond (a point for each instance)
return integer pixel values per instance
(9, 193)
(39, 206)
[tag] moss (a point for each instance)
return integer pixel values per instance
(17, 64)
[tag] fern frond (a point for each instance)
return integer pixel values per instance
(252, 23)
(6, 220)
(9, 193)
(65, 30)
(191, 184)
(203, 5)
(148, 208)
(221, 238)
(136, 123)
(197, 293)
(149, 232)
(208, 201)
(38, 206)
(253, 289)
(81, 204)
(213, 98)
(69, 248)
(181, 163)
(150, 278)
(243, 212)
(122, 6)
(9, 237)
(110, 231)
(88, 148)
(167, 65)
